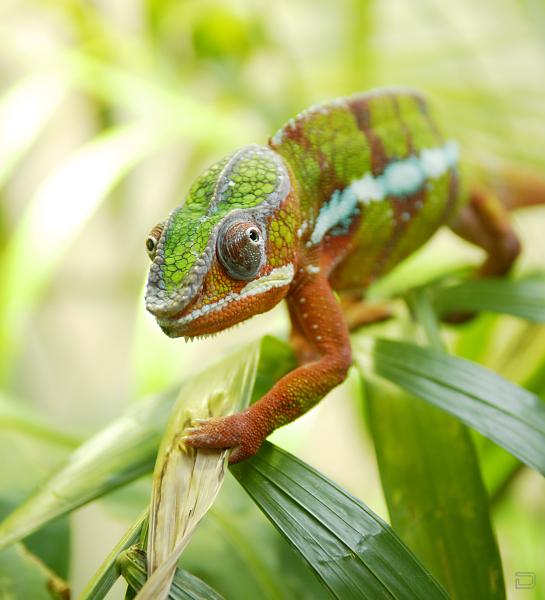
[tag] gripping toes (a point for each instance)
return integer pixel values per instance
(219, 433)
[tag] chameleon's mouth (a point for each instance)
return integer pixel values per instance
(202, 317)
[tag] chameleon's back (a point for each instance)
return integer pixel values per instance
(374, 178)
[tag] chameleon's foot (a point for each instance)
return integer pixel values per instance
(235, 431)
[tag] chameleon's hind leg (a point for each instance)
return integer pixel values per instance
(358, 312)
(484, 221)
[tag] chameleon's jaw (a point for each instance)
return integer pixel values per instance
(202, 317)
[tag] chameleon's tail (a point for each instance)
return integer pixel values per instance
(517, 187)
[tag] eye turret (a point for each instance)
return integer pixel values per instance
(153, 239)
(241, 249)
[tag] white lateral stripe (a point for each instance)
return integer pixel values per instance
(278, 277)
(400, 178)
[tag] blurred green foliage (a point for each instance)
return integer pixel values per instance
(108, 110)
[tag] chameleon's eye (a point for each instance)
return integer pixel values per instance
(241, 249)
(153, 239)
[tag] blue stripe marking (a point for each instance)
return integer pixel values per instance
(401, 178)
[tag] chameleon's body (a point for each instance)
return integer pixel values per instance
(340, 196)
(374, 179)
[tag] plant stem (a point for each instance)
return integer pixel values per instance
(421, 308)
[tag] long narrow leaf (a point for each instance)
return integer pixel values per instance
(185, 586)
(524, 298)
(118, 454)
(502, 411)
(350, 549)
(435, 495)
(23, 575)
(15, 416)
(108, 572)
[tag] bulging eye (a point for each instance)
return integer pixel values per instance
(241, 249)
(153, 239)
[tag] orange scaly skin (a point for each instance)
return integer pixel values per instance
(341, 195)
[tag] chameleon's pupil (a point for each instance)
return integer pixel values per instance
(254, 235)
(150, 244)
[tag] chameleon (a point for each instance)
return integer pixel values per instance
(338, 197)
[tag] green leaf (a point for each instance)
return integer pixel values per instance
(437, 474)
(185, 586)
(277, 358)
(35, 450)
(524, 298)
(22, 575)
(52, 545)
(108, 572)
(234, 537)
(350, 549)
(434, 492)
(120, 453)
(15, 416)
(502, 411)
(536, 381)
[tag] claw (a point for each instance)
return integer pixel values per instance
(189, 431)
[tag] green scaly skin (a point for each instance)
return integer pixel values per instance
(340, 195)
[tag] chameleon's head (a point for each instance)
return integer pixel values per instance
(227, 253)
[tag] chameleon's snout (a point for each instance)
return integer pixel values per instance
(165, 305)
(164, 310)
(169, 315)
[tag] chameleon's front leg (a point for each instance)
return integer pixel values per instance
(316, 315)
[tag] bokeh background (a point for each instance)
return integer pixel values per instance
(110, 108)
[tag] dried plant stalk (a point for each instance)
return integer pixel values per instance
(187, 481)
